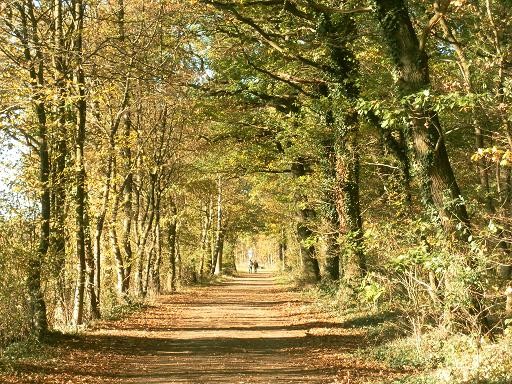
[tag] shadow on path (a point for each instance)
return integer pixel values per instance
(245, 330)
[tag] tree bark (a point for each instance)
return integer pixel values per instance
(37, 303)
(100, 223)
(353, 263)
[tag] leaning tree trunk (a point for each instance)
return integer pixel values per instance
(101, 216)
(440, 192)
(482, 166)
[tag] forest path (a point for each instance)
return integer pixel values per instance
(245, 330)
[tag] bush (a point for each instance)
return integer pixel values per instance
(475, 363)
(458, 359)
(411, 352)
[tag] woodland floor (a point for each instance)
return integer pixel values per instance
(245, 330)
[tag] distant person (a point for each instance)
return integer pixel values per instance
(255, 266)
(251, 266)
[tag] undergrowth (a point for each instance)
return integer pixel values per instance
(28, 349)
(122, 310)
(433, 356)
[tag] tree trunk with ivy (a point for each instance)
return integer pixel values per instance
(305, 215)
(440, 191)
(344, 121)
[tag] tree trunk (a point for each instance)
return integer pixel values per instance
(36, 72)
(80, 167)
(127, 204)
(339, 33)
(116, 249)
(482, 166)
(179, 261)
(310, 268)
(216, 267)
(282, 250)
(219, 253)
(101, 216)
(171, 239)
(205, 238)
(58, 239)
(37, 303)
(155, 274)
(440, 191)
(141, 246)
(353, 263)
(147, 271)
(329, 211)
(100, 223)
(91, 271)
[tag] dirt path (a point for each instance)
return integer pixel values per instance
(245, 330)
